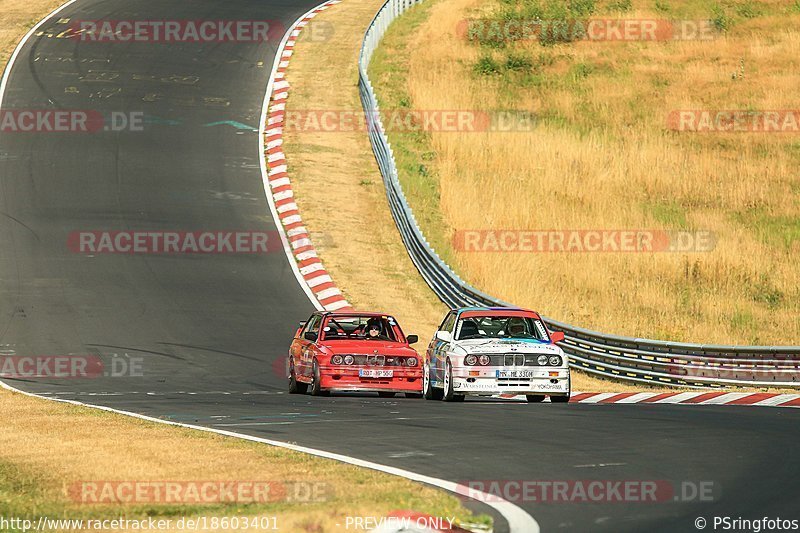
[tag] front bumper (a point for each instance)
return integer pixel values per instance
(404, 379)
(485, 381)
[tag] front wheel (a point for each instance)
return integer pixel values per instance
(295, 387)
(316, 388)
(535, 398)
(560, 399)
(449, 392)
(428, 391)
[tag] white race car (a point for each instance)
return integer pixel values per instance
(486, 351)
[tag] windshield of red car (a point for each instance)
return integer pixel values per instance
(367, 327)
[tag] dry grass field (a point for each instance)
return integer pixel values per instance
(601, 156)
(46, 449)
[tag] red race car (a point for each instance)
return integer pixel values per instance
(354, 352)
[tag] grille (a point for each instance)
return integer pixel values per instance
(375, 360)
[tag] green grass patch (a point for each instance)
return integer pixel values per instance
(667, 212)
(486, 65)
(742, 321)
(774, 230)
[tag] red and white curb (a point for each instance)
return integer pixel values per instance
(757, 399)
(278, 184)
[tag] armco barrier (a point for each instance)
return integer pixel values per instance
(640, 360)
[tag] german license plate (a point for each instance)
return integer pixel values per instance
(369, 373)
(514, 374)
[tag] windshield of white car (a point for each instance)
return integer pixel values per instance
(501, 327)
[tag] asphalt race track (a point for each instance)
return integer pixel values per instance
(210, 331)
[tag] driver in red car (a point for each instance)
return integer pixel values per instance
(375, 330)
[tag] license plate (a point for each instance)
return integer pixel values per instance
(367, 373)
(514, 374)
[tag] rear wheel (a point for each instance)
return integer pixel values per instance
(295, 387)
(428, 391)
(560, 399)
(449, 394)
(383, 394)
(535, 398)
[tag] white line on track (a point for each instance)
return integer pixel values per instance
(599, 465)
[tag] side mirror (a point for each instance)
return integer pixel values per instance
(412, 339)
(310, 336)
(444, 336)
(557, 336)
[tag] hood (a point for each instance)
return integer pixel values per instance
(368, 348)
(508, 346)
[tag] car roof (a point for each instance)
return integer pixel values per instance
(353, 313)
(497, 311)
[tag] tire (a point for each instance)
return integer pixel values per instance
(413, 394)
(535, 398)
(295, 387)
(315, 388)
(559, 399)
(383, 394)
(449, 394)
(429, 392)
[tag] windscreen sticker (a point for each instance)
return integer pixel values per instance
(540, 327)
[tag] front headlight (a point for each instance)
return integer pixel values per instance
(542, 360)
(411, 361)
(484, 360)
(336, 359)
(349, 359)
(555, 360)
(470, 360)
